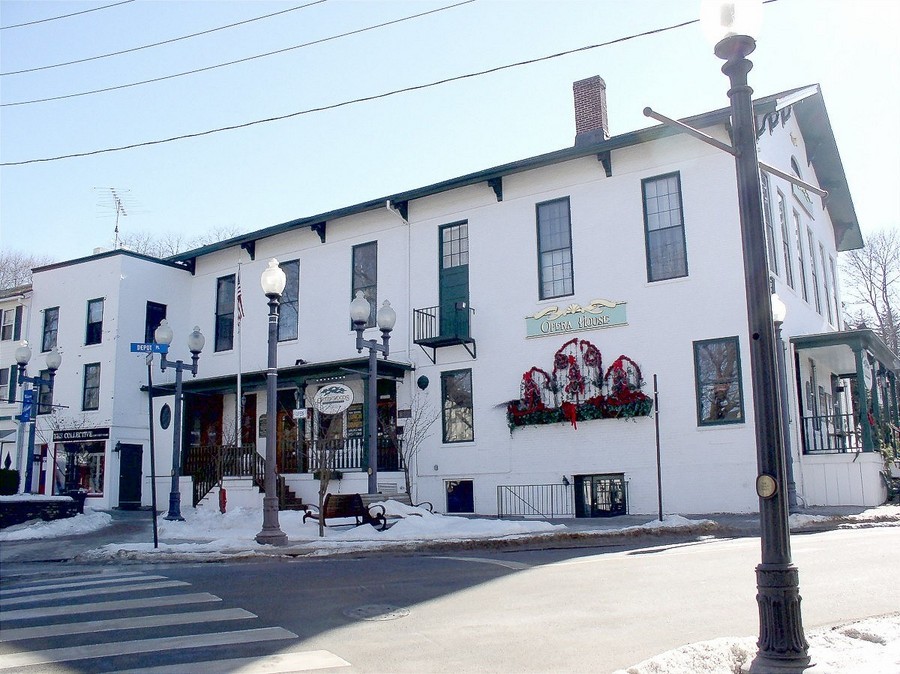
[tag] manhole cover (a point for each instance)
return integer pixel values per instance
(376, 612)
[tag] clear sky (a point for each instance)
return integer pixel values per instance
(265, 174)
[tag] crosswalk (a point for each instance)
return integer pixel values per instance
(161, 626)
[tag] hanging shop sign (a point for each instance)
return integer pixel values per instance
(333, 399)
(81, 435)
(575, 318)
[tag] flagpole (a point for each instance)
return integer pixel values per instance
(238, 411)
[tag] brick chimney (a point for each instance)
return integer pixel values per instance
(591, 122)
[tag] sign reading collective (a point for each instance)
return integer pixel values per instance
(81, 435)
(333, 399)
(575, 318)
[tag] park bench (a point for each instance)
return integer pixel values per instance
(347, 505)
(374, 501)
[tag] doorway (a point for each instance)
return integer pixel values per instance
(602, 495)
(130, 464)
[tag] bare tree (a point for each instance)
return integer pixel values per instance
(322, 456)
(168, 244)
(872, 286)
(416, 430)
(15, 267)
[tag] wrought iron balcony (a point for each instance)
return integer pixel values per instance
(434, 329)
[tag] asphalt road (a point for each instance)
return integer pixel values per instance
(567, 610)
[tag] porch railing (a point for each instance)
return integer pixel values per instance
(348, 454)
(831, 434)
(207, 464)
(535, 500)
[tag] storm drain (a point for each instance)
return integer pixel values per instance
(376, 612)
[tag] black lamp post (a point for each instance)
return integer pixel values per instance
(273, 280)
(386, 318)
(163, 335)
(782, 644)
(54, 360)
(779, 313)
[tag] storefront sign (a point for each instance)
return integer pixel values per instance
(333, 399)
(81, 435)
(575, 318)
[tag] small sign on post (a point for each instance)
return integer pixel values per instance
(149, 347)
(27, 404)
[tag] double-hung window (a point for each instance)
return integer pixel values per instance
(90, 391)
(458, 419)
(7, 323)
(785, 240)
(8, 384)
(554, 233)
(801, 258)
(664, 227)
(824, 259)
(767, 218)
(225, 313)
(288, 325)
(93, 333)
(50, 330)
(717, 373)
(155, 314)
(44, 397)
(814, 270)
(365, 275)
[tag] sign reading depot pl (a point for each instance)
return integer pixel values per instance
(575, 318)
(333, 399)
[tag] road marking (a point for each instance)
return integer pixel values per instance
(283, 663)
(92, 592)
(140, 622)
(120, 605)
(145, 646)
(515, 566)
(106, 580)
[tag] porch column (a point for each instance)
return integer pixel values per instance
(863, 395)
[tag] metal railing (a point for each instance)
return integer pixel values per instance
(428, 323)
(535, 500)
(351, 454)
(208, 464)
(831, 434)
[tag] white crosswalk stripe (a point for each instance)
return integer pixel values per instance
(53, 600)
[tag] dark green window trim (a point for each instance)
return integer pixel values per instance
(719, 382)
(364, 271)
(664, 236)
(224, 340)
(556, 273)
(457, 409)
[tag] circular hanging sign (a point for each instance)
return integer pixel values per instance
(333, 399)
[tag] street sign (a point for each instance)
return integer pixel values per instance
(27, 404)
(152, 347)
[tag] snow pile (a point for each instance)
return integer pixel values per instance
(870, 646)
(80, 524)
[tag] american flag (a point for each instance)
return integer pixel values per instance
(238, 297)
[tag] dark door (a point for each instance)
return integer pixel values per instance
(130, 463)
(454, 281)
(600, 495)
(460, 496)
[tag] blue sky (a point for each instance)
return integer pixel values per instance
(265, 174)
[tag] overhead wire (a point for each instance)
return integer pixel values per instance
(65, 16)
(354, 101)
(163, 42)
(242, 60)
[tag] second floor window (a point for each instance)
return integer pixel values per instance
(785, 241)
(8, 384)
(90, 393)
(554, 232)
(814, 270)
(225, 313)
(767, 218)
(288, 325)
(8, 323)
(801, 258)
(44, 399)
(156, 312)
(365, 275)
(94, 332)
(51, 328)
(664, 228)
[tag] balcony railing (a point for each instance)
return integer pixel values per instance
(434, 329)
(831, 434)
(535, 500)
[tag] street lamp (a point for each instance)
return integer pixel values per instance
(782, 646)
(30, 405)
(163, 335)
(273, 280)
(385, 319)
(779, 312)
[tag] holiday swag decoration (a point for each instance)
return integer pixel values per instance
(578, 389)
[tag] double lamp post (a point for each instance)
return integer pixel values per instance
(31, 399)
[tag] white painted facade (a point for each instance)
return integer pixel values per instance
(703, 468)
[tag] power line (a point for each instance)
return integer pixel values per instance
(363, 99)
(65, 16)
(243, 60)
(157, 44)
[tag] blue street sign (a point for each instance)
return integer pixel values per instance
(27, 404)
(144, 347)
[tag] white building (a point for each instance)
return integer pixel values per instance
(525, 282)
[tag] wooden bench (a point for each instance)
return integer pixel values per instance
(347, 505)
(400, 497)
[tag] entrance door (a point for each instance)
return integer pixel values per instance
(454, 281)
(600, 495)
(130, 463)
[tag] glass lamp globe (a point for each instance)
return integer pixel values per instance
(360, 308)
(163, 334)
(386, 317)
(273, 279)
(196, 340)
